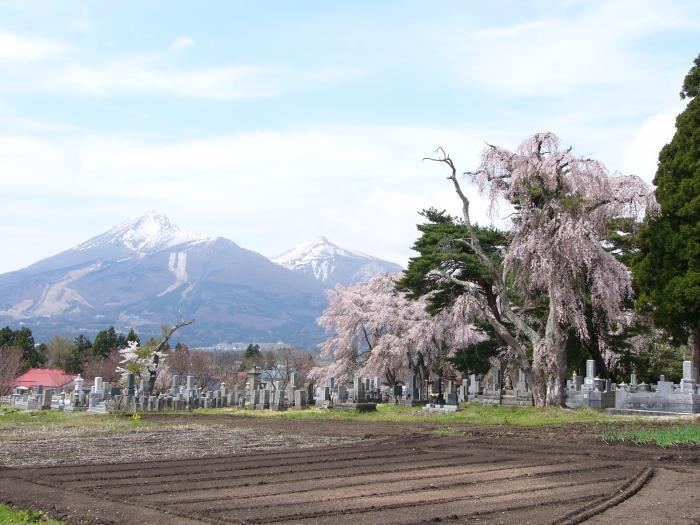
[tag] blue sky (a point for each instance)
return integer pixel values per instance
(272, 122)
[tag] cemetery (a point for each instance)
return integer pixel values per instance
(438, 395)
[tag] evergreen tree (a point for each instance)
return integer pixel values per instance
(667, 270)
(252, 352)
(59, 350)
(78, 355)
(438, 249)
(132, 336)
(105, 342)
(33, 356)
(7, 336)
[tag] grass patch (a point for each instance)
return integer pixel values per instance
(15, 516)
(449, 431)
(471, 414)
(37, 424)
(662, 437)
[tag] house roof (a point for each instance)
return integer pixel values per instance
(48, 377)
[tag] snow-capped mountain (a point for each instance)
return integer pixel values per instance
(144, 272)
(330, 264)
(148, 233)
(151, 232)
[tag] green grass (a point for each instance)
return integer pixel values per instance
(24, 517)
(662, 437)
(471, 414)
(449, 431)
(33, 424)
(36, 424)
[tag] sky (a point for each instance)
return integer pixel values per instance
(271, 123)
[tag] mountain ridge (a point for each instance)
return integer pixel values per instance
(145, 271)
(331, 264)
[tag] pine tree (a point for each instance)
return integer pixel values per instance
(105, 342)
(667, 269)
(132, 336)
(78, 355)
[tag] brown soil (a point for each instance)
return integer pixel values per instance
(366, 473)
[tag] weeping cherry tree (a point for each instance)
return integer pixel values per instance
(375, 330)
(555, 260)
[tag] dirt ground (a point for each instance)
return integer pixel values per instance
(253, 470)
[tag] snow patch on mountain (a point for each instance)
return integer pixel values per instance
(59, 297)
(151, 232)
(177, 264)
(331, 264)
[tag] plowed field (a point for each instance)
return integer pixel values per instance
(393, 476)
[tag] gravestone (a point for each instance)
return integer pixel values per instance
(663, 386)
(412, 394)
(278, 403)
(175, 384)
(436, 396)
(252, 384)
(300, 400)
(342, 394)
(46, 401)
(291, 387)
(689, 380)
(521, 385)
(130, 384)
(98, 387)
(494, 383)
(633, 380)
(264, 400)
(588, 381)
(79, 384)
(359, 388)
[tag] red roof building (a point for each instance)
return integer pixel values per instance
(47, 377)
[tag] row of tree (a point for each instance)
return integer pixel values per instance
(156, 364)
(112, 353)
(553, 289)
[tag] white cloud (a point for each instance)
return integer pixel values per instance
(642, 153)
(180, 43)
(562, 52)
(16, 48)
(83, 22)
(146, 75)
(266, 190)
(152, 74)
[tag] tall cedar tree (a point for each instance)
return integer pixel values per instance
(667, 270)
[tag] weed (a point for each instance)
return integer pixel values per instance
(11, 515)
(662, 437)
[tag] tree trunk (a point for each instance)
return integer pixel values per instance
(539, 374)
(556, 373)
(153, 374)
(597, 356)
(549, 365)
(390, 377)
(556, 379)
(695, 342)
